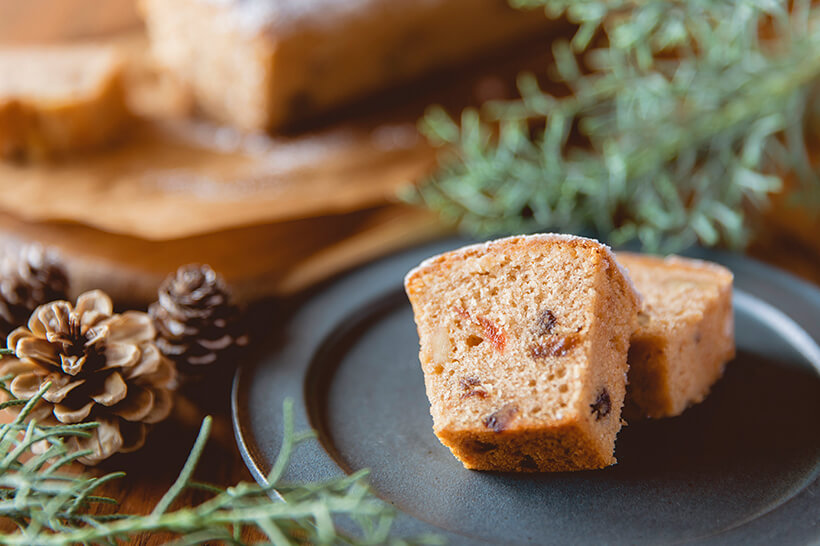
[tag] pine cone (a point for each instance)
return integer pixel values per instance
(102, 367)
(197, 324)
(29, 277)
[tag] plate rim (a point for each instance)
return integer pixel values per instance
(254, 460)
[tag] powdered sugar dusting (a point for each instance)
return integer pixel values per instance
(484, 247)
(278, 153)
(282, 15)
(388, 137)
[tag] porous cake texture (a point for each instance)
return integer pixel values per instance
(685, 333)
(59, 100)
(262, 64)
(523, 347)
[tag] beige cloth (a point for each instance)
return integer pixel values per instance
(257, 261)
(182, 178)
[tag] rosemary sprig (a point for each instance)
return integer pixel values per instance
(52, 507)
(680, 120)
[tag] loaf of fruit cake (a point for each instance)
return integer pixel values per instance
(59, 100)
(524, 351)
(261, 64)
(685, 333)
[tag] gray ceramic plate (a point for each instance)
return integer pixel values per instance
(743, 467)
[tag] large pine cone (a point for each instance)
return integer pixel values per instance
(29, 277)
(102, 367)
(197, 324)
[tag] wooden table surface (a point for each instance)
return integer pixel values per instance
(151, 470)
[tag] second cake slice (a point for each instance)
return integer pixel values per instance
(523, 346)
(685, 334)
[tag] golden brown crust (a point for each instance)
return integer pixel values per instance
(563, 448)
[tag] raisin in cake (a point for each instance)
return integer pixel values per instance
(523, 346)
(260, 64)
(59, 100)
(685, 333)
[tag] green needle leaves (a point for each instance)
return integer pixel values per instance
(52, 506)
(681, 117)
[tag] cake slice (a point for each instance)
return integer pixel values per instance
(59, 100)
(262, 64)
(685, 333)
(523, 347)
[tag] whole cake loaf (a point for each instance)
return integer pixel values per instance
(259, 64)
(685, 333)
(59, 100)
(524, 351)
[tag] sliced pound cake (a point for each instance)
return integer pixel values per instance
(523, 347)
(685, 333)
(58, 100)
(265, 64)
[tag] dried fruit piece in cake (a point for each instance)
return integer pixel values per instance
(685, 333)
(58, 100)
(260, 64)
(523, 347)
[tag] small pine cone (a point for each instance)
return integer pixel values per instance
(197, 324)
(29, 277)
(102, 367)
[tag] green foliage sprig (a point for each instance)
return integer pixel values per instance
(52, 506)
(680, 120)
